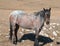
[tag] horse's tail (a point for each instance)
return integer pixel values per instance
(10, 26)
(10, 31)
(10, 21)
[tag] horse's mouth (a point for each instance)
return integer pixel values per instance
(47, 23)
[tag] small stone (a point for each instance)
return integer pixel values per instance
(41, 33)
(54, 33)
(54, 23)
(58, 24)
(30, 32)
(52, 38)
(53, 26)
(57, 32)
(22, 30)
(7, 36)
(47, 26)
(22, 40)
(50, 28)
(46, 34)
(40, 43)
(33, 31)
(44, 28)
(51, 23)
(51, 45)
(27, 30)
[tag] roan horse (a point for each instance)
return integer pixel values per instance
(34, 22)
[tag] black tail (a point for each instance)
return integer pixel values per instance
(11, 32)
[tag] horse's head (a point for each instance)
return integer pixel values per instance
(47, 15)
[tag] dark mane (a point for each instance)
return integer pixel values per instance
(41, 13)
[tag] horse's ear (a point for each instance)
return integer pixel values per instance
(44, 9)
(49, 9)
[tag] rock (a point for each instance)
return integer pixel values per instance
(58, 24)
(46, 35)
(57, 32)
(27, 30)
(7, 36)
(51, 45)
(23, 30)
(53, 26)
(53, 23)
(30, 32)
(44, 28)
(33, 31)
(22, 40)
(52, 38)
(41, 33)
(40, 43)
(50, 28)
(54, 33)
(21, 33)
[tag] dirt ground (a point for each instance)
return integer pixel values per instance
(30, 6)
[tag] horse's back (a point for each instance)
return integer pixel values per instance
(17, 12)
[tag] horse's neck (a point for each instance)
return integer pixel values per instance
(41, 19)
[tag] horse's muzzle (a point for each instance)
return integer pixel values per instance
(47, 23)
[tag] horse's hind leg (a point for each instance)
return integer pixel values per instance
(11, 32)
(15, 33)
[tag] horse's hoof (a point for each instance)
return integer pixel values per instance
(20, 41)
(36, 44)
(14, 42)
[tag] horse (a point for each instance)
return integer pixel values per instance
(35, 21)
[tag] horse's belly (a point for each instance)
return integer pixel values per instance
(27, 23)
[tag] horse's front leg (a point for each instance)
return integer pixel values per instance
(36, 38)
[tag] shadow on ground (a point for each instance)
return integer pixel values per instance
(42, 39)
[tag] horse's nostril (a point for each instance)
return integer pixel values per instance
(47, 23)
